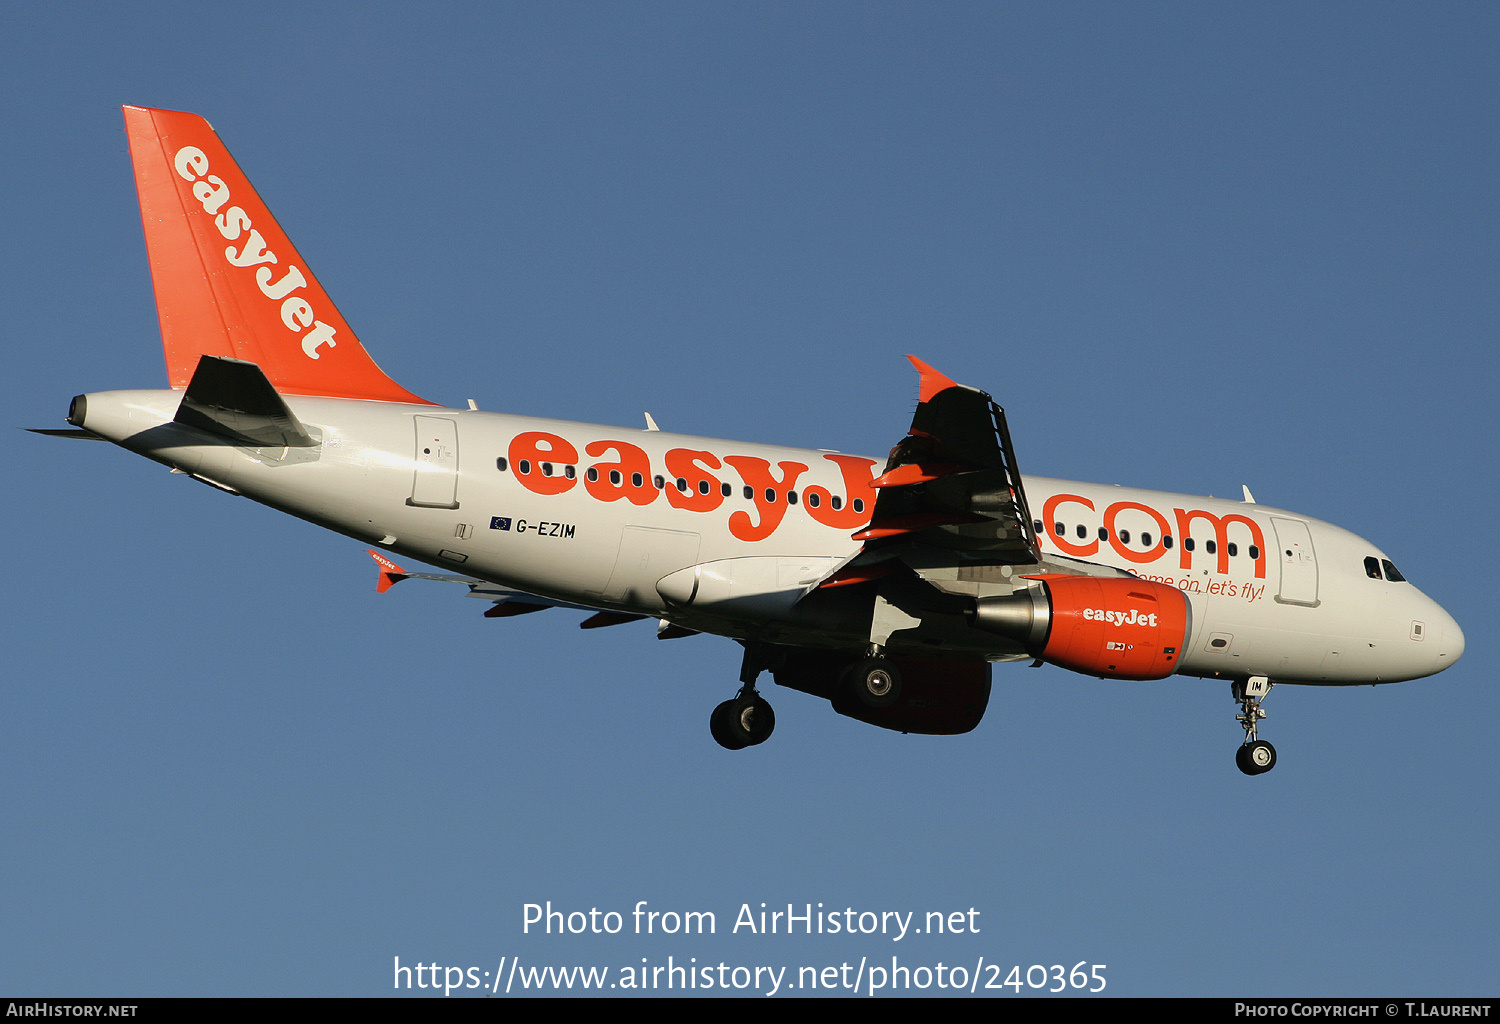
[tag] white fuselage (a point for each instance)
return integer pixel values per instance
(1272, 593)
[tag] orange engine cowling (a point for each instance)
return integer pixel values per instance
(1104, 626)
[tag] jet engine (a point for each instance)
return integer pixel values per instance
(938, 696)
(1115, 628)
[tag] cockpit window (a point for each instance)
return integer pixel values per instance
(1391, 572)
(1372, 567)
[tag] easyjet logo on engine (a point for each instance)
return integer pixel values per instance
(1134, 617)
(212, 194)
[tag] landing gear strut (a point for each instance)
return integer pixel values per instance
(1255, 756)
(745, 719)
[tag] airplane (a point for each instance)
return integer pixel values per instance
(886, 586)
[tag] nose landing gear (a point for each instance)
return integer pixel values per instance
(1255, 756)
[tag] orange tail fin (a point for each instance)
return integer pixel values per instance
(228, 280)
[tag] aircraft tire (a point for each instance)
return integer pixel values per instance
(742, 722)
(874, 683)
(1256, 758)
(719, 727)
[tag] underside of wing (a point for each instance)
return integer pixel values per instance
(951, 503)
(506, 601)
(952, 533)
(952, 482)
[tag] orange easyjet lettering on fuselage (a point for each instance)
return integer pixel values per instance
(1184, 518)
(540, 461)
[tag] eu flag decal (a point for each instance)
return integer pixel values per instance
(499, 522)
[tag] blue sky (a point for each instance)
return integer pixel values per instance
(1187, 246)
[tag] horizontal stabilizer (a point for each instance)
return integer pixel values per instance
(78, 434)
(233, 398)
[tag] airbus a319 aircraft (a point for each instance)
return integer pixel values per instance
(886, 586)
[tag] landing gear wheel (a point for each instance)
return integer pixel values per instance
(718, 725)
(874, 683)
(742, 722)
(1256, 757)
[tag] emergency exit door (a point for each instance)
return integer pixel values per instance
(435, 482)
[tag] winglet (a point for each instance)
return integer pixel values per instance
(390, 572)
(932, 381)
(228, 280)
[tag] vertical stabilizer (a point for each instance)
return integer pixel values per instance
(228, 280)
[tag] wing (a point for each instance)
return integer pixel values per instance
(951, 493)
(505, 602)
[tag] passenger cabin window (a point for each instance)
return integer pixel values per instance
(500, 464)
(834, 501)
(1083, 531)
(1187, 543)
(859, 504)
(812, 500)
(1234, 549)
(1166, 540)
(1210, 546)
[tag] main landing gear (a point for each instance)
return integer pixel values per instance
(1255, 756)
(872, 683)
(856, 686)
(745, 719)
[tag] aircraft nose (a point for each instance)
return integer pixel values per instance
(1452, 647)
